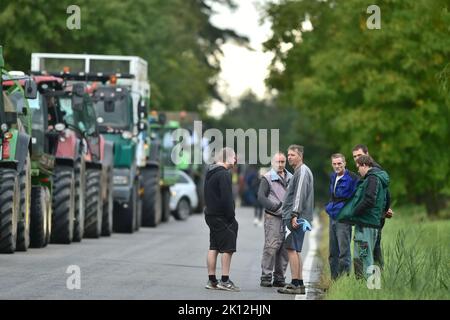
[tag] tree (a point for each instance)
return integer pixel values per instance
(386, 88)
(294, 128)
(175, 37)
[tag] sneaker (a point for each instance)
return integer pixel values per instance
(291, 289)
(279, 284)
(265, 283)
(228, 286)
(212, 285)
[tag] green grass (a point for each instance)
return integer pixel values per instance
(416, 251)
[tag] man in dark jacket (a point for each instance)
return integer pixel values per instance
(359, 150)
(220, 218)
(365, 210)
(342, 187)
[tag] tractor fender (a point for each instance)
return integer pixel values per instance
(93, 165)
(107, 152)
(152, 164)
(69, 148)
(22, 148)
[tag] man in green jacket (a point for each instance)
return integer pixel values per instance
(364, 211)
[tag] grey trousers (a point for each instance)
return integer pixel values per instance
(340, 255)
(275, 258)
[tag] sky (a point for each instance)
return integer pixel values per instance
(242, 69)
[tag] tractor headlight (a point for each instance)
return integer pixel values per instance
(127, 135)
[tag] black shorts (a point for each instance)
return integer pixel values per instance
(222, 233)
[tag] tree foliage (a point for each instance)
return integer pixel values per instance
(175, 37)
(294, 128)
(386, 88)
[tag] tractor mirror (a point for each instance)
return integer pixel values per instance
(30, 89)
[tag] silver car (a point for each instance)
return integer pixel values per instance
(183, 194)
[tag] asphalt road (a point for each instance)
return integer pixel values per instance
(167, 262)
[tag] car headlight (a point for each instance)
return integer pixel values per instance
(173, 193)
(120, 180)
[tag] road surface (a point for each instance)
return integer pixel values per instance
(167, 262)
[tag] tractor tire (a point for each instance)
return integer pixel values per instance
(124, 218)
(80, 200)
(9, 209)
(108, 206)
(165, 204)
(39, 218)
(48, 205)
(23, 225)
(63, 205)
(183, 210)
(94, 205)
(138, 219)
(151, 203)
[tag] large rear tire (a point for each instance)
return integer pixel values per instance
(165, 204)
(9, 209)
(94, 205)
(80, 200)
(108, 205)
(151, 203)
(23, 225)
(39, 222)
(63, 205)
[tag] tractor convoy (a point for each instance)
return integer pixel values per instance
(81, 153)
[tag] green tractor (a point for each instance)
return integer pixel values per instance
(116, 119)
(16, 193)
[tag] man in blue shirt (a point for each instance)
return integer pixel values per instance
(342, 187)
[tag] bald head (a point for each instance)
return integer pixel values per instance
(226, 157)
(279, 162)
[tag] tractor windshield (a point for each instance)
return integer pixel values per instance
(115, 112)
(84, 120)
(39, 123)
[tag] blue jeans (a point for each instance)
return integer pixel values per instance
(340, 254)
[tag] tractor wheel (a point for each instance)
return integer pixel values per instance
(138, 219)
(165, 204)
(151, 204)
(9, 209)
(23, 226)
(63, 205)
(80, 200)
(38, 218)
(108, 205)
(94, 205)
(125, 215)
